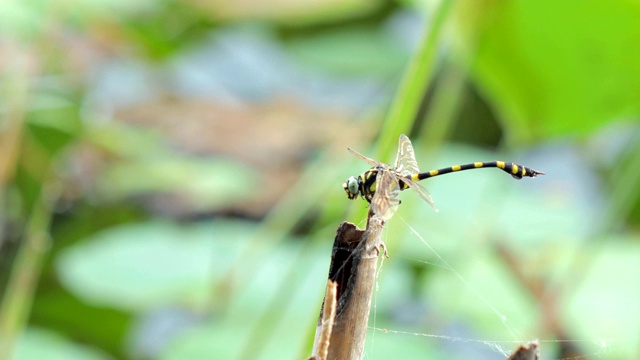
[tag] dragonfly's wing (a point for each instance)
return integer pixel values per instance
(385, 200)
(406, 163)
(424, 193)
(362, 157)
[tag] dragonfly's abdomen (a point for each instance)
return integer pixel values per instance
(515, 170)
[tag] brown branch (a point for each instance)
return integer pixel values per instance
(526, 352)
(547, 296)
(353, 267)
(354, 258)
(325, 328)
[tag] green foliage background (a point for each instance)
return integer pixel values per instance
(128, 239)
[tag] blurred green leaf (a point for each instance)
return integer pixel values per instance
(554, 68)
(351, 51)
(54, 121)
(275, 304)
(20, 19)
(219, 340)
(605, 304)
(38, 344)
(207, 183)
(124, 140)
(136, 267)
(58, 309)
(28, 20)
(167, 27)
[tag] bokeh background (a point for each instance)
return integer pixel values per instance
(171, 175)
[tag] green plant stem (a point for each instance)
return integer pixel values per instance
(624, 191)
(18, 296)
(414, 85)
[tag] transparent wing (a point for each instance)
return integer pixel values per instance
(362, 157)
(406, 163)
(385, 200)
(424, 193)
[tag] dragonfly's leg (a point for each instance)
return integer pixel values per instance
(384, 248)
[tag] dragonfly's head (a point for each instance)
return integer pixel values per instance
(352, 187)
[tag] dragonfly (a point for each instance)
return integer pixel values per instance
(381, 184)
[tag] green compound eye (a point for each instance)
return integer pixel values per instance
(352, 184)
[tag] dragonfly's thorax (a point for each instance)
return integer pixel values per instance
(368, 188)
